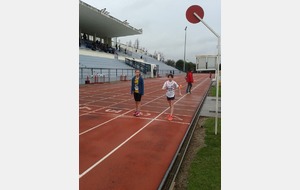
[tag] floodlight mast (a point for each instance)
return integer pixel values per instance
(217, 74)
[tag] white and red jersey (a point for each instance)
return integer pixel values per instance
(170, 86)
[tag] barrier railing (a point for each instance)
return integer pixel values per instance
(103, 75)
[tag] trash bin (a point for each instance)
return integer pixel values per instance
(123, 77)
(87, 81)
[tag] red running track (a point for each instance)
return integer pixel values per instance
(118, 151)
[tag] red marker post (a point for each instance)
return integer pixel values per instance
(190, 14)
(195, 14)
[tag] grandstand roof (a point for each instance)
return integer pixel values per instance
(94, 21)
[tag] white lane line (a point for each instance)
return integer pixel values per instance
(105, 107)
(111, 152)
(103, 123)
(115, 149)
(116, 117)
(93, 111)
(85, 107)
(130, 111)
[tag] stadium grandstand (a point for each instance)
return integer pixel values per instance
(102, 59)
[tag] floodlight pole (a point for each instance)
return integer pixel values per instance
(217, 74)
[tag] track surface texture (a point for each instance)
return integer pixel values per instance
(120, 151)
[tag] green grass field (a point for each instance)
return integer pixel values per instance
(213, 91)
(205, 170)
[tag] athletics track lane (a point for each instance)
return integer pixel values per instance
(120, 151)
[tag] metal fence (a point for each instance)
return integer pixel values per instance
(102, 75)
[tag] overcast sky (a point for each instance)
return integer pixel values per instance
(163, 24)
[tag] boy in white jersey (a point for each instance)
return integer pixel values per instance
(170, 85)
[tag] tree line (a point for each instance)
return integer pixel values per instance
(179, 65)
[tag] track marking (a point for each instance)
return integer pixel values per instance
(120, 145)
(132, 110)
(104, 107)
(129, 99)
(115, 149)
(113, 111)
(85, 107)
(147, 114)
(103, 123)
(116, 117)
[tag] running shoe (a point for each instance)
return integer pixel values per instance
(170, 117)
(138, 114)
(135, 113)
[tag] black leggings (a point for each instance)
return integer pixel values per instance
(189, 87)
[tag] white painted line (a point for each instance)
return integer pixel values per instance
(120, 145)
(130, 111)
(147, 114)
(174, 116)
(102, 159)
(111, 104)
(115, 149)
(105, 107)
(85, 107)
(116, 117)
(113, 111)
(103, 123)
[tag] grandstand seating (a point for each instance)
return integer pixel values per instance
(162, 66)
(101, 62)
(93, 63)
(106, 64)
